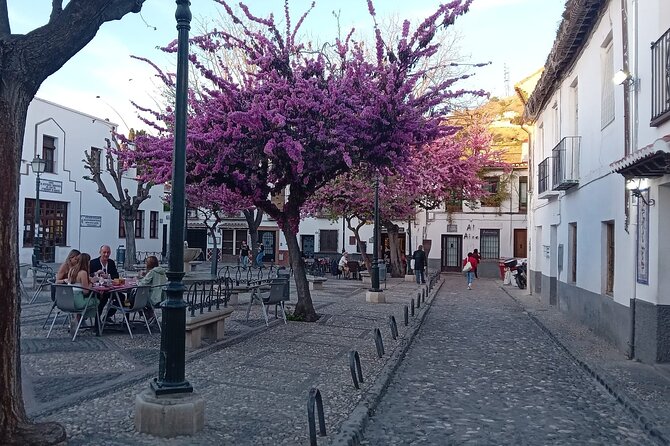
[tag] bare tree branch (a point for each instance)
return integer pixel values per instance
(56, 9)
(5, 29)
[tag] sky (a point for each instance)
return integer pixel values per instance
(102, 79)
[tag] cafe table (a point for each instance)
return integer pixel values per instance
(114, 289)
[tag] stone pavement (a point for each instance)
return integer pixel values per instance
(489, 368)
(255, 383)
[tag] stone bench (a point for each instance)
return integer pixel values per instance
(316, 282)
(365, 276)
(208, 324)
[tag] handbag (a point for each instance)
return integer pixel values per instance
(467, 267)
(411, 263)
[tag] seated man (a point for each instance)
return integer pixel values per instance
(104, 268)
(343, 265)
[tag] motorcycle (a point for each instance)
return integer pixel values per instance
(519, 270)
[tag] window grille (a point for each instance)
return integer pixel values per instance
(489, 243)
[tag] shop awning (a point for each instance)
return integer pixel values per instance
(649, 161)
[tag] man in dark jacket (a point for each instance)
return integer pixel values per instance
(419, 264)
(104, 267)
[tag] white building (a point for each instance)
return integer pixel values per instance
(597, 251)
(73, 214)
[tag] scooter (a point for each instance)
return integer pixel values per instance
(520, 275)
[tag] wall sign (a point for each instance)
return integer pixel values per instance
(90, 221)
(642, 254)
(53, 186)
(452, 228)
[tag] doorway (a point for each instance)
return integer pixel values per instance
(307, 244)
(452, 252)
(197, 238)
(269, 241)
(520, 243)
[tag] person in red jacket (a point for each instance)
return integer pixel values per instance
(470, 274)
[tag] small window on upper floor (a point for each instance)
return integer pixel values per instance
(49, 153)
(606, 84)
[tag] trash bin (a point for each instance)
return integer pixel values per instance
(283, 273)
(382, 270)
(120, 255)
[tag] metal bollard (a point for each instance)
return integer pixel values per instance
(406, 315)
(394, 327)
(379, 343)
(355, 366)
(315, 397)
(412, 307)
(418, 300)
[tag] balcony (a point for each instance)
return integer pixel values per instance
(544, 189)
(660, 80)
(565, 174)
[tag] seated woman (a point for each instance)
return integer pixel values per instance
(79, 275)
(70, 262)
(154, 277)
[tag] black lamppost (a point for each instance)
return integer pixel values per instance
(375, 255)
(409, 246)
(171, 375)
(39, 166)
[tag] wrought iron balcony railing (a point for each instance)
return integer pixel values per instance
(660, 80)
(543, 176)
(566, 163)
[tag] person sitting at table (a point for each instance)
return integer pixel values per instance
(154, 277)
(79, 275)
(343, 265)
(70, 262)
(105, 268)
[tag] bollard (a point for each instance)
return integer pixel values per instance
(355, 366)
(394, 327)
(412, 307)
(315, 397)
(418, 300)
(379, 343)
(406, 315)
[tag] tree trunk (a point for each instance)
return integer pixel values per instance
(131, 253)
(215, 251)
(15, 427)
(394, 246)
(304, 306)
(254, 218)
(361, 248)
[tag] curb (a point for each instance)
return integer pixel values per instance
(351, 430)
(619, 396)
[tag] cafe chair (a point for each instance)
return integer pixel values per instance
(276, 296)
(139, 298)
(65, 302)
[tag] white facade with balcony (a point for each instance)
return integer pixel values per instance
(597, 251)
(73, 214)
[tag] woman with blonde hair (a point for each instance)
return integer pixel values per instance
(70, 262)
(79, 276)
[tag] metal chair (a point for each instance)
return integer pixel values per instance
(65, 303)
(140, 298)
(275, 296)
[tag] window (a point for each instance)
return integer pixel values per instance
(49, 153)
(572, 252)
(609, 255)
(491, 186)
(139, 224)
(606, 84)
(227, 241)
(328, 240)
(453, 202)
(153, 224)
(53, 226)
(489, 242)
(660, 80)
(523, 194)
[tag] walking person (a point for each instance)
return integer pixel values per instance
(469, 265)
(477, 256)
(419, 264)
(260, 255)
(244, 255)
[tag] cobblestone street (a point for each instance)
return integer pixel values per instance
(482, 372)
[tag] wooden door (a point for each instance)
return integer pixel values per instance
(520, 243)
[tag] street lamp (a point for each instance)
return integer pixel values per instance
(39, 166)
(171, 367)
